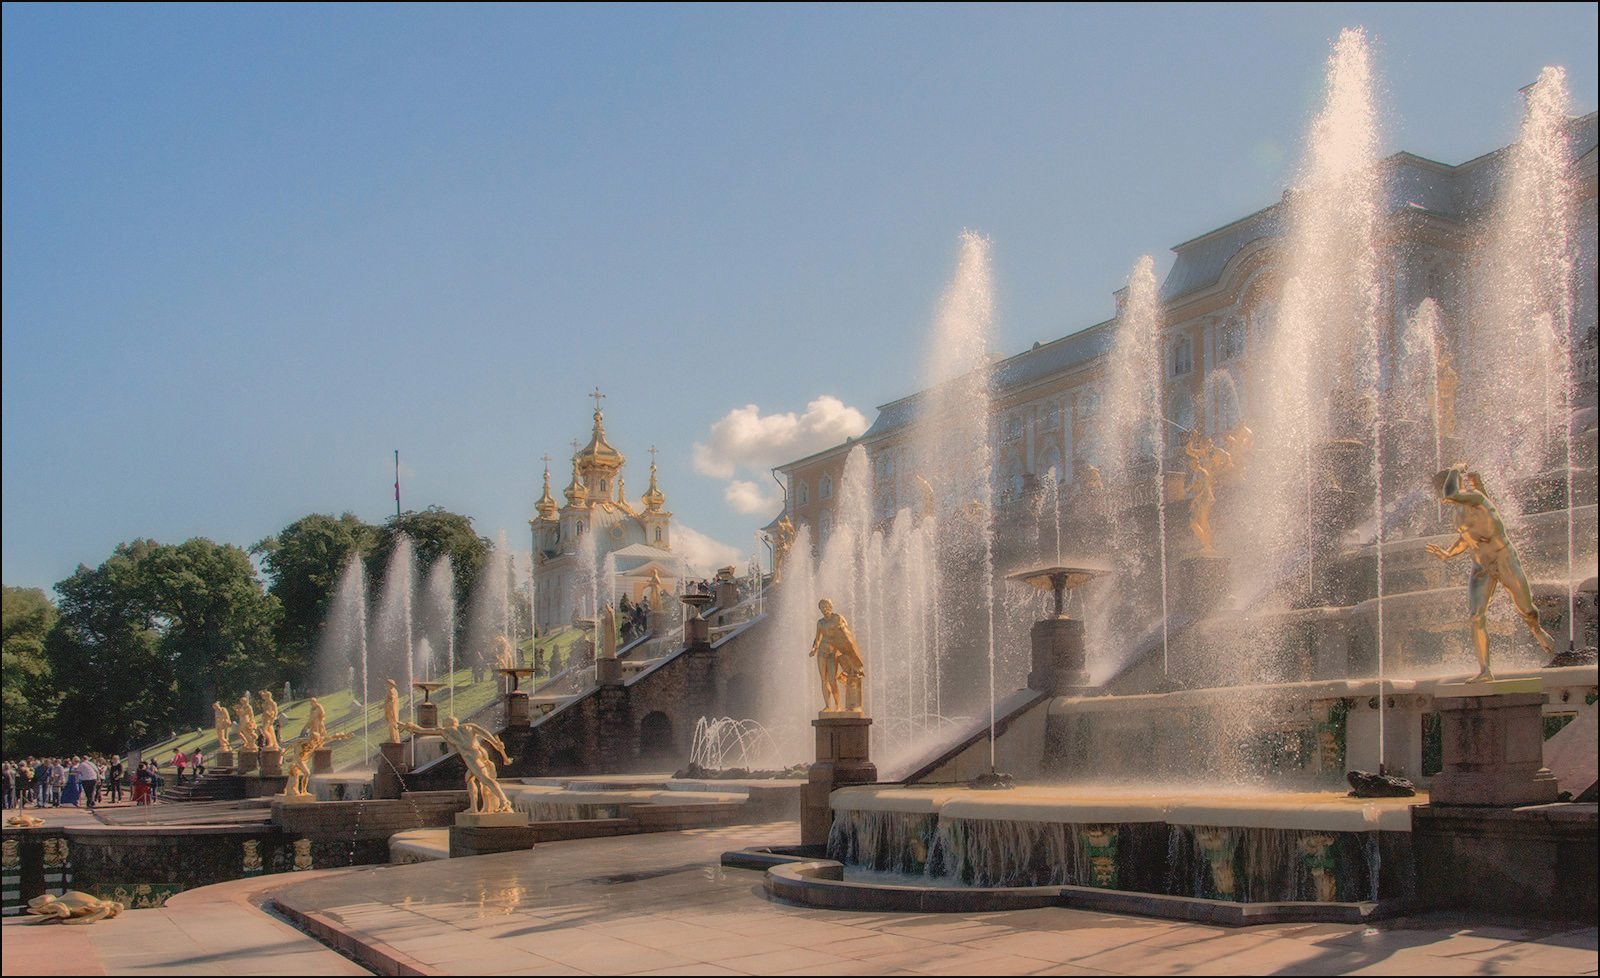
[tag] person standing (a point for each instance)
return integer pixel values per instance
(58, 782)
(89, 781)
(114, 779)
(179, 761)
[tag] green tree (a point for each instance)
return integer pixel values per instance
(304, 561)
(116, 684)
(147, 639)
(29, 698)
(434, 532)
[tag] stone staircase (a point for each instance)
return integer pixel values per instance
(211, 786)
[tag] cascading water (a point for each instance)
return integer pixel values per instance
(396, 635)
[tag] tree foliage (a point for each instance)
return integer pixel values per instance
(147, 639)
(434, 532)
(304, 561)
(29, 697)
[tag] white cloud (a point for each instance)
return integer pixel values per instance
(747, 497)
(746, 438)
(703, 554)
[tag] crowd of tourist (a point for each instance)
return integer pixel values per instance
(87, 781)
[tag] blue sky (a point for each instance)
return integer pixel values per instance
(250, 251)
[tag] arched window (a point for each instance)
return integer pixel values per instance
(1050, 416)
(580, 528)
(1051, 459)
(658, 534)
(1227, 408)
(825, 487)
(1230, 340)
(1182, 360)
(802, 494)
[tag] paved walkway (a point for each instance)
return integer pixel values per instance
(661, 904)
(214, 930)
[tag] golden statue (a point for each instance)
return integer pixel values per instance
(1240, 441)
(247, 723)
(1484, 533)
(838, 661)
(317, 722)
(504, 657)
(484, 793)
(1444, 405)
(656, 590)
(781, 541)
(269, 720)
(1201, 460)
(391, 711)
(299, 761)
(608, 632)
(221, 723)
(1090, 479)
(928, 498)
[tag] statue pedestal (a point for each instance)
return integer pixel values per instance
(517, 714)
(608, 672)
(1205, 582)
(386, 781)
(842, 759)
(1493, 738)
(696, 633)
(726, 594)
(283, 798)
(271, 763)
(225, 760)
(247, 761)
(427, 714)
(322, 760)
(1058, 657)
(481, 833)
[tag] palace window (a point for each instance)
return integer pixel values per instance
(1050, 462)
(1182, 356)
(658, 534)
(824, 526)
(1230, 341)
(825, 487)
(1050, 418)
(802, 493)
(1011, 429)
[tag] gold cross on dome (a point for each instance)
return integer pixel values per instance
(597, 398)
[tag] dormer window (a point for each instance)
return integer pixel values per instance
(1230, 342)
(802, 494)
(825, 487)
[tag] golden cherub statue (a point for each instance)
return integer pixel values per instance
(1482, 532)
(484, 793)
(316, 722)
(839, 662)
(504, 657)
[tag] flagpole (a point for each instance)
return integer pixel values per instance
(397, 483)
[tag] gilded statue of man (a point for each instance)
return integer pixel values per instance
(247, 723)
(391, 712)
(839, 662)
(221, 723)
(317, 722)
(1200, 463)
(269, 719)
(1484, 534)
(781, 540)
(484, 793)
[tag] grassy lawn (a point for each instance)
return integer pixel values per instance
(346, 716)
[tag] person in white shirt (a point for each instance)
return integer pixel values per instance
(89, 778)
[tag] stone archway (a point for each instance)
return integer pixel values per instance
(657, 747)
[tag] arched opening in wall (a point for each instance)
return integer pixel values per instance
(656, 746)
(739, 697)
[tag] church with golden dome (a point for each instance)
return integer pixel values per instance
(597, 544)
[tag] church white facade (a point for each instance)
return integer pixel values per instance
(597, 547)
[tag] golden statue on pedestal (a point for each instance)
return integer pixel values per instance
(247, 723)
(391, 711)
(269, 720)
(780, 541)
(1484, 534)
(839, 661)
(221, 723)
(484, 794)
(1207, 462)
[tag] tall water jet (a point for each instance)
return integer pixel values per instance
(489, 614)
(396, 627)
(1520, 356)
(953, 442)
(1131, 421)
(1333, 215)
(442, 612)
(343, 644)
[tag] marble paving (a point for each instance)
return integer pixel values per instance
(662, 904)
